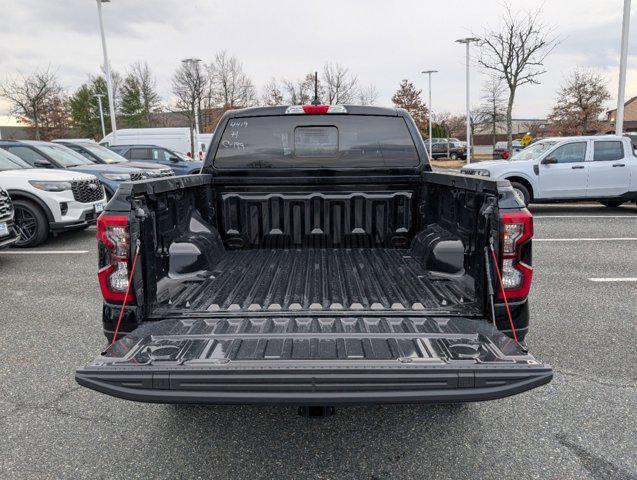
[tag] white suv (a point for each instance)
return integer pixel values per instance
(48, 200)
(601, 168)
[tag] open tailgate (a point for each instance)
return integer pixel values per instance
(314, 361)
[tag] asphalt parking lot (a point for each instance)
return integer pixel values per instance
(582, 425)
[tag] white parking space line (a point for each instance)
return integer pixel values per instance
(607, 239)
(43, 252)
(617, 279)
(634, 217)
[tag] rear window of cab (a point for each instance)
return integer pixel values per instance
(316, 141)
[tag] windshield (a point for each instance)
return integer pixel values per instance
(64, 156)
(185, 158)
(533, 151)
(9, 161)
(103, 153)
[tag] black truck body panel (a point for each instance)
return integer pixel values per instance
(313, 286)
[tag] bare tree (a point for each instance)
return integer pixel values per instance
(56, 118)
(30, 96)
(142, 76)
(341, 86)
(189, 84)
(516, 53)
(272, 95)
(368, 95)
(447, 125)
(580, 103)
(301, 92)
(492, 110)
(229, 86)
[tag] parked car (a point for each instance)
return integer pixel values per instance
(48, 201)
(447, 149)
(317, 261)
(599, 168)
(8, 231)
(96, 153)
(179, 163)
(500, 149)
(53, 155)
(173, 138)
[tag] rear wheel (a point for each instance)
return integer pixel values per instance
(612, 203)
(31, 223)
(522, 192)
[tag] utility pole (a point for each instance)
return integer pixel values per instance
(107, 71)
(467, 41)
(623, 59)
(429, 72)
(99, 101)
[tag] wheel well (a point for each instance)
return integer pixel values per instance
(18, 195)
(524, 182)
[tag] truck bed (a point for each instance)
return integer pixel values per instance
(331, 280)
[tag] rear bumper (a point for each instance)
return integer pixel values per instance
(345, 386)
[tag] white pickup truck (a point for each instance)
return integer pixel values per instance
(600, 168)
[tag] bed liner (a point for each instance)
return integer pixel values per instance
(378, 279)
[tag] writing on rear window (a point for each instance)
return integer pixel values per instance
(344, 141)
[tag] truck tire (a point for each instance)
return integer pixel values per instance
(522, 191)
(31, 223)
(612, 203)
(453, 156)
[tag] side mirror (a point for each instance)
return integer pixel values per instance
(42, 164)
(174, 159)
(548, 160)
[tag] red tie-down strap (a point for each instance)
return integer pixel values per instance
(130, 282)
(504, 295)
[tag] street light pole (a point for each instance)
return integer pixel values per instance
(467, 41)
(107, 70)
(619, 120)
(99, 101)
(429, 72)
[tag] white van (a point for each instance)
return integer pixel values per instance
(173, 138)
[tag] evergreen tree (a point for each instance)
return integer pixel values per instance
(408, 97)
(84, 112)
(132, 108)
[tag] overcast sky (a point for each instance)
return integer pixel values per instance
(381, 41)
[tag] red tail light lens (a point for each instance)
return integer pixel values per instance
(112, 233)
(516, 275)
(505, 155)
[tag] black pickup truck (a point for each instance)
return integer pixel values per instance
(316, 261)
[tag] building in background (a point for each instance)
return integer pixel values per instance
(16, 132)
(536, 127)
(630, 117)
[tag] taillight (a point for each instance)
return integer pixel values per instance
(112, 233)
(315, 109)
(516, 275)
(505, 155)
